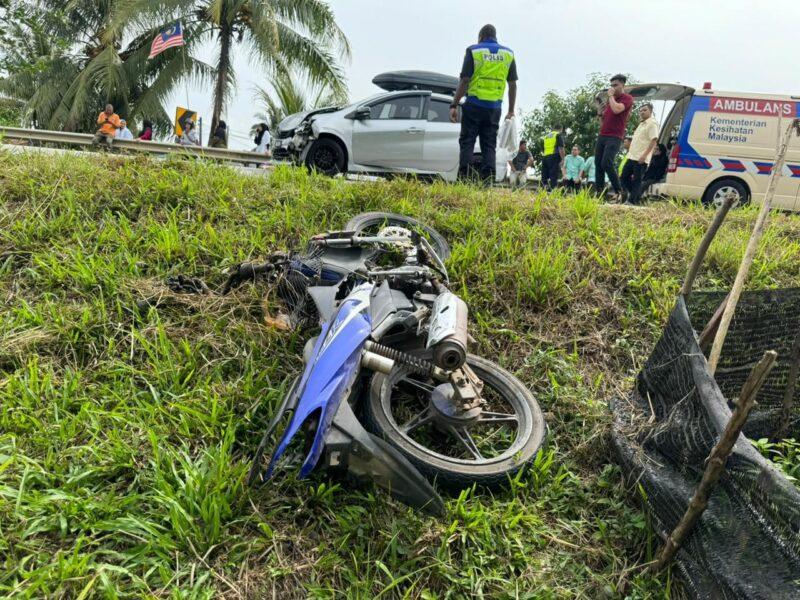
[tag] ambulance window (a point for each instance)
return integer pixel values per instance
(671, 127)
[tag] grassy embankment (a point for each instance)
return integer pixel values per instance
(124, 441)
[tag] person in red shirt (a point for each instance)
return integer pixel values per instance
(147, 131)
(613, 121)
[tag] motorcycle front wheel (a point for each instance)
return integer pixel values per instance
(452, 448)
(371, 222)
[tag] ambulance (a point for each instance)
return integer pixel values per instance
(721, 142)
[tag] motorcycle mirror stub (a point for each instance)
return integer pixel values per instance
(435, 257)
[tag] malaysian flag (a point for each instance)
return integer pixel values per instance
(168, 37)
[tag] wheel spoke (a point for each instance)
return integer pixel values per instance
(496, 417)
(416, 421)
(415, 383)
(464, 436)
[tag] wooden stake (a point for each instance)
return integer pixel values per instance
(710, 330)
(752, 246)
(715, 463)
(694, 267)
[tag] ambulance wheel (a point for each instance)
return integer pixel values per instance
(717, 191)
(326, 156)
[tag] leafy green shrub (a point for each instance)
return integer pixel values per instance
(785, 454)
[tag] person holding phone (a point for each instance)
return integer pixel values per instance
(613, 121)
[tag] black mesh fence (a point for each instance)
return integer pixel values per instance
(747, 543)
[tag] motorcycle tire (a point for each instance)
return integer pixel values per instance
(361, 222)
(452, 472)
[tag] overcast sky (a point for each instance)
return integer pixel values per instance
(739, 45)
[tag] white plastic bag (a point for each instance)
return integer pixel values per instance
(507, 137)
(501, 164)
(507, 144)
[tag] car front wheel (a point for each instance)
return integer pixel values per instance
(326, 156)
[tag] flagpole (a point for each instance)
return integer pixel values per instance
(168, 38)
(185, 74)
(186, 77)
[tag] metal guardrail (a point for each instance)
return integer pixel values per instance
(65, 138)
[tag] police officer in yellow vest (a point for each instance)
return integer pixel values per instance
(552, 156)
(487, 68)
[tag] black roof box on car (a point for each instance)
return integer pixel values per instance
(394, 81)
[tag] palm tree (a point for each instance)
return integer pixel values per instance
(288, 96)
(297, 35)
(71, 64)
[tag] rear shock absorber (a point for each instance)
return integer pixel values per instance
(418, 365)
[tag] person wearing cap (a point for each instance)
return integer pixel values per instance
(124, 133)
(486, 70)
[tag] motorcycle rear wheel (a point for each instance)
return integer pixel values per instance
(505, 438)
(372, 222)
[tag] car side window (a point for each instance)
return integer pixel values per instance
(404, 107)
(438, 111)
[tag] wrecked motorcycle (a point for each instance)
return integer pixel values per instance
(389, 391)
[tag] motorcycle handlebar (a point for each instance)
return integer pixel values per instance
(350, 242)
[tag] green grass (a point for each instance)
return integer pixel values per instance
(125, 438)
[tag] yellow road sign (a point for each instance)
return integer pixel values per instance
(182, 115)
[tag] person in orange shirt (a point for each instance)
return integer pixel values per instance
(109, 124)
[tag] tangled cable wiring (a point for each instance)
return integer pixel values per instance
(289, 275)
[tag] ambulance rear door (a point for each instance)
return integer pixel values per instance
(670, 101)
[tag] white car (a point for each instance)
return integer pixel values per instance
(404, 130)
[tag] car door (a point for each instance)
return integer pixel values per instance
(393, 135)
(441, 137)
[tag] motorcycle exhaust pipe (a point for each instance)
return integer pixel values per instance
(448, 336)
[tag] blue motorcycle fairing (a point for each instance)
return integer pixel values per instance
(329, 374)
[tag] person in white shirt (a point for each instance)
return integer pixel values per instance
(123, 133)
(644, 141)
(262, 139)
(189, 137)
